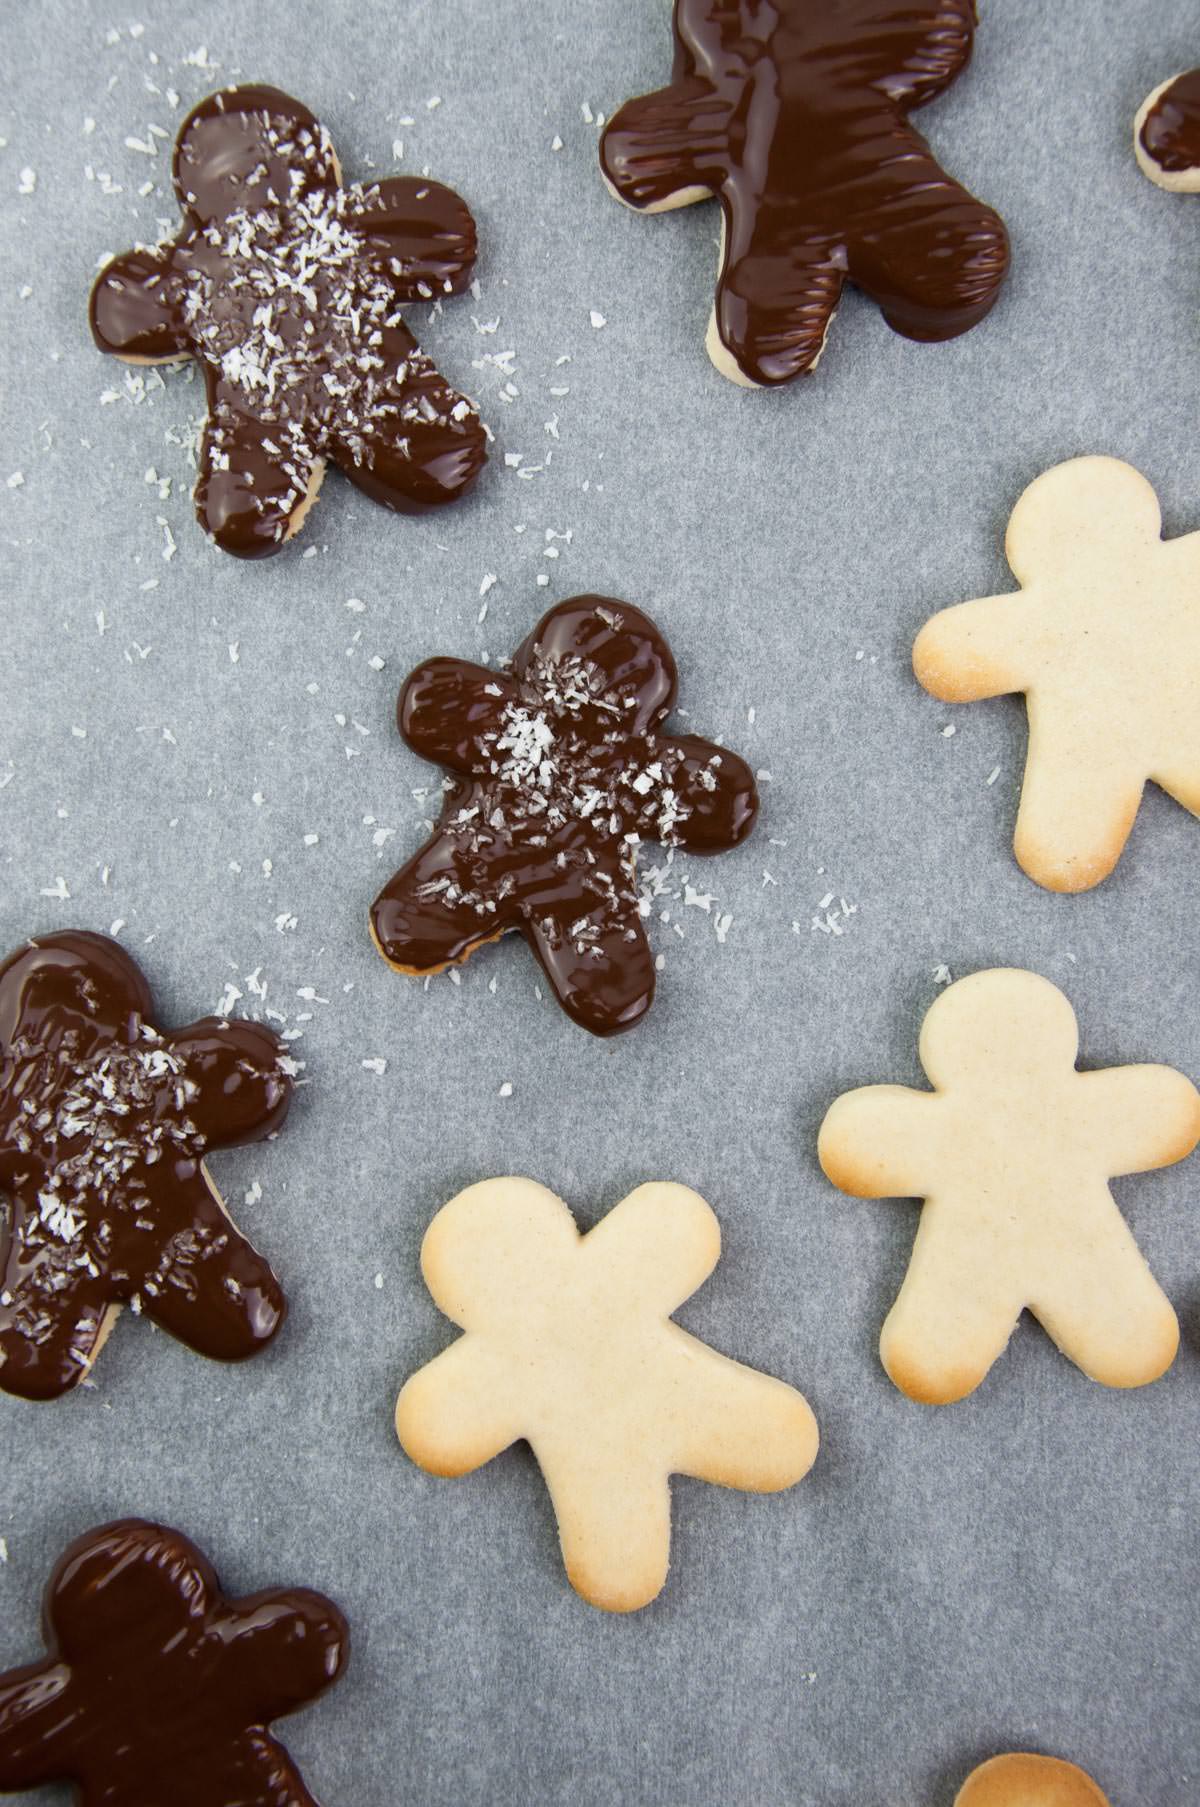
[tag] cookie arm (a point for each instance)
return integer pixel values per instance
(34, 1712)
(242, 1093)
(735, 1426)
(134, 310)
(717, 794)
(281, 1648)
(423, 448)
(456, 1413)
(975, 650)
(667, 148)
(448, 706)
(423, 232)
(1141, 1117)
(206, 1284)
(880, 1141)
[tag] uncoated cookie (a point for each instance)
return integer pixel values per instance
(1104, 639)
(1012, 1152)
(569, 1345)
(1021, 1779)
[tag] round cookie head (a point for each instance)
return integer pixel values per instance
(474, 1257)
(162, 1591)
(987, 1024)
(105, 991)
(1022, 1779)
(620, 645)
(1081, 513)
(249, 148)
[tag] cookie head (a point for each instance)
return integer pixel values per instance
(250, 150)
(996, 1025)
(1081, 514)
(1022, 1779)
(1166, 134)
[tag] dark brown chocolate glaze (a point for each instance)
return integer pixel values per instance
(104, 1123)
(1170, 132)
(286, 287)
(157, 1691)
(561, 772)
(795, 113)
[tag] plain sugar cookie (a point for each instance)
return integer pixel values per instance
(1103, 637)
(1021, 1779)
(1012, 1153)
(569, 1345)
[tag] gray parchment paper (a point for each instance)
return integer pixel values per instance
(1020, 1570)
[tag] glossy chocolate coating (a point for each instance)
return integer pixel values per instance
(158, 1691)
(287, 289)
(1170, 132)
(104, 1122)
(561, 772)
(795, 113)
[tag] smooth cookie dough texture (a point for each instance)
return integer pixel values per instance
(569, 1345)
(1021, 1779)
(1103, 637)
(1012, 1153)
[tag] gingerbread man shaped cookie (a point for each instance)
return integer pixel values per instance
(159, 1689)
(561, 771)
(1166, 134)
(1022, 1779)
(1012, 1153)
(287, 288)
(569, 1345)
(104, 1125)
(795, 114)
(1104, 639)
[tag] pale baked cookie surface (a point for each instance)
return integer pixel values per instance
(1103, 638)
(1021, 1779)
(569, 1345)
(1012, 1153)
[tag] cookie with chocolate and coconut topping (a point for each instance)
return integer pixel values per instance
(561, 771)
(287, 288)
(105, 1122)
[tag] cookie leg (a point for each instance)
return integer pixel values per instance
(600, 966)
(933, 258)
(423, 447)
(211, 1289)
(665, 149)
(954, 1314)
(42, 1356)
(734, 1426)
(777, 294)
(1104, 1308)
(614, 1523)
(426, 918)
(252, 496)
(1078, 801)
